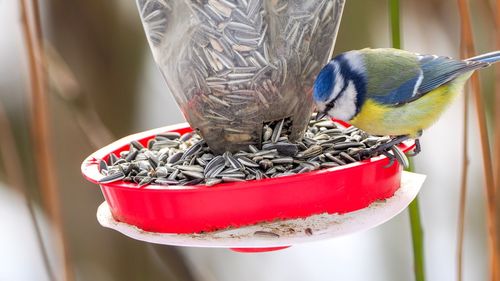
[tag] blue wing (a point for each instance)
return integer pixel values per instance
(441, 70)
(402, 94)
(398, 77)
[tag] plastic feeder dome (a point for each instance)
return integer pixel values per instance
(232, 66)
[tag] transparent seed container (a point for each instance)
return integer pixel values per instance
(235, 65)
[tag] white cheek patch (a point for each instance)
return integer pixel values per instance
(345, 106)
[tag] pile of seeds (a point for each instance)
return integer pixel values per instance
(229, 61)
(174, 159)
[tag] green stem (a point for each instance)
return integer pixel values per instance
(414, 211)
(417, 235)
(395, 23)
(417, 240)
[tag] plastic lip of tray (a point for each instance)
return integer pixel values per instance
(199, 208)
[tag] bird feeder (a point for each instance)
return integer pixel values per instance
(234, 66)
(194, 215)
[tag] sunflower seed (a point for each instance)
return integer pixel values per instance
(174, 174)
(232, 179)
(166, 182)
(282, 160)
(212, 181)
(185, 137)
(308, 231)
(191, 151)
(232, 174)
(193, 168)
(193, 181)
(312, 151)
(175, 157)
(161, 172)
(137, 145)
(103, 166)
(216, 161)
(253, 148)
(347, 157)
(230, 160)
(335, 159)
(112, 177)
(187, 160)
(329, 164)
(247, 162)
(215, 171)
(169, 135)
(112, 159)
(193, 174)
(131, 155)
(326, 123)
(277, 131)
(265, 234)
(145, 181)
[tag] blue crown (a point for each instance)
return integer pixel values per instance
(323, 85)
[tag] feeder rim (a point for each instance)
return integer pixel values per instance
(90, 166)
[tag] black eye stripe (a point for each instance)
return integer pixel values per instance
(331, 104)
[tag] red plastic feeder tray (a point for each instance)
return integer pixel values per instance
(195, 209)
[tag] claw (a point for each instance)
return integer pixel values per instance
(391, 159)
(417, 149)
(396, 155)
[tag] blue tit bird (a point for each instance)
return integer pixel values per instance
(392, 92)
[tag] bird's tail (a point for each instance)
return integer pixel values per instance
(488, 58)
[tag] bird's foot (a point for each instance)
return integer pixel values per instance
(390, 150)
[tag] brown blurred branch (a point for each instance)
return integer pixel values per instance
(104, 49)
(65, 84)
(30, 18)
(497, 103)
(496, 131)
(465, 173)
(468, 49)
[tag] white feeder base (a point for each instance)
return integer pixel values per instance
(286, 232)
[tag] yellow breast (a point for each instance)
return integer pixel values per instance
(409, 118)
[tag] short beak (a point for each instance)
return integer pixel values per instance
(320, 115)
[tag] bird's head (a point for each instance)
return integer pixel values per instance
(338, 86)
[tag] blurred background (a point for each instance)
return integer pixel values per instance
(103, 85)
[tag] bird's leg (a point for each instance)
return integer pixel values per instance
(418, 148)
(391, 157)
(385, 146)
